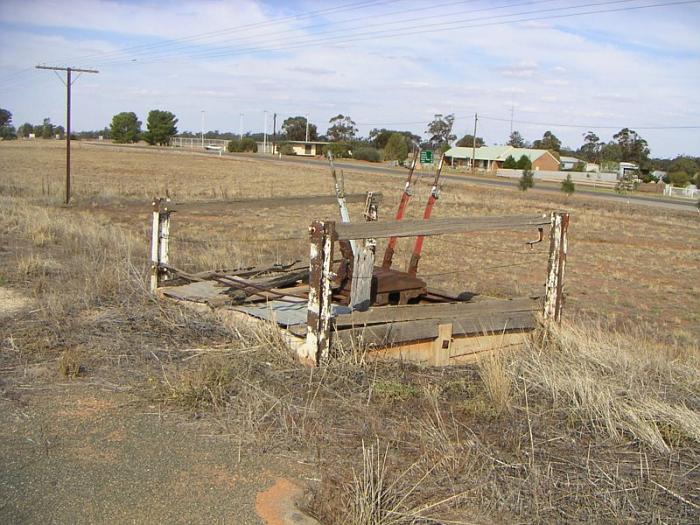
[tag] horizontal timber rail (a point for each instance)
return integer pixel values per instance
(293, 200)
(404, 228)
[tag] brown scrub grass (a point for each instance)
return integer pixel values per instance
(595, 421)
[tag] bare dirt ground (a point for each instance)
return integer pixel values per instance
(116, 408)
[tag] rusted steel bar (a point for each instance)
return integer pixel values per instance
(413, 228)
(405, 197)
(434, 196)
(318, 334)
(558, 244)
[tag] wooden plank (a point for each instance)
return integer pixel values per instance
(413, 228)
(463, 349)
(414, 312)
(272, 202)
(361, 285)
(427, 329)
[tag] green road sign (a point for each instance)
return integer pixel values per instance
(426, 157)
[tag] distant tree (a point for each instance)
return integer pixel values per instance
(7, 132)
(516, 140)
(160, 127)
(590, 150)
(380, 137)
(125, 127)
(633, 148)
(524, 163)
(610, 152)
(679, 178)
(367, 153)
(47, 129)
(467, 141)
(60, 132)
(510, 163)
(342, 129)
(294, 128)
(526, 181)
(688, 165)
(396, 148)
(568, 186)
(440, 131)
(6, 129)
(25, 129)
(549, 141)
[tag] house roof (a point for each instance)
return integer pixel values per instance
(495, 153)
(573, 160)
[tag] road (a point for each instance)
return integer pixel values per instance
(544, 187)
(502, 183)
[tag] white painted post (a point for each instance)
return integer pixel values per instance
(558, 244)
(160, 241)
(317, 347)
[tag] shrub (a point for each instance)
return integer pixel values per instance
(524, 163)
(368, 153)
(239, 146)
(396, 148)
(340, 150)
(286, 149)
(568, 186)
(527, 180)
(510, 163)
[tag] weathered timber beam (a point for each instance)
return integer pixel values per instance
(404, 228)
(272, 202)
(394, 333)
(415, 312)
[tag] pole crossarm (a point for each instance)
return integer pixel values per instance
(74, 69)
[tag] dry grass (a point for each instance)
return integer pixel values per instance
(597, 421)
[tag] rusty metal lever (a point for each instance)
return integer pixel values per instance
(539, 238)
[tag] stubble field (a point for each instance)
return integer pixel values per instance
(597, 421)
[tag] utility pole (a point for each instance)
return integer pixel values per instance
(265, 132)
(240, 126)
(476, 118)
(202, 129)
(512, 110)
(307, 127)
(274, 131)
(68, 83)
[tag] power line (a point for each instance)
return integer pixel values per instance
(284, 41)
(584, 126)
(446, 26)
(238, 29)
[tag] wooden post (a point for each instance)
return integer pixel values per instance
(317, 347)
(554, 297)
(363, 263)
(160, 241)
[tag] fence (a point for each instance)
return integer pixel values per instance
(198, 143)
(689, 192)
(601, 180)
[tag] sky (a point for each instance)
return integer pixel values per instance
(564, 66)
